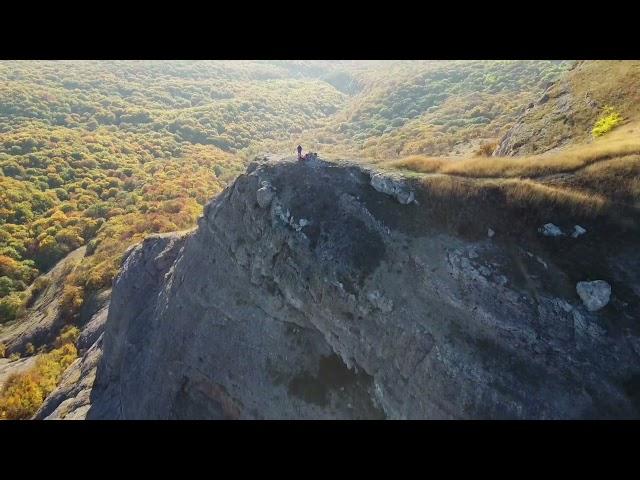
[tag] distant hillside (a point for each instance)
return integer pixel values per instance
(431, 108)
(567, 111)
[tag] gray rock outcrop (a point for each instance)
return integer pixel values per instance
(595, 295)
(264, 195)
(578, 231)
(361, 311)
(550, 230)
(391, 186)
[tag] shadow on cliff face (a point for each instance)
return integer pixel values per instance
(199, 398)
(632, 388)
(335, 233)
(335, 379)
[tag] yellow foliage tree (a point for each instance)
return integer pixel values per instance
(23, 393)
(609, 119)
(72, 299)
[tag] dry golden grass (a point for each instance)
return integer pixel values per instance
(521, 192)
(444, 186)
(621, 143)
(626, 166)
(610, 82)
(618, 179)
(565, 161)
(486, 149)
(537, 195)
(418, 163)
(598, 178)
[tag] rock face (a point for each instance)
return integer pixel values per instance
(537, 129)
(264, 195)
(327, 298)
(393, 187)
(595, 295)
(577, 231)
(72, 398)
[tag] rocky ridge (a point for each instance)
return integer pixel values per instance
(317, 290)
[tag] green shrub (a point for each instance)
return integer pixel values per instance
(39, 285)
(68, 334)
(11, 307)
(7, 286)
(71, 301)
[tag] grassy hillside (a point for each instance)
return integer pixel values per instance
(567, 113)
(433, 108)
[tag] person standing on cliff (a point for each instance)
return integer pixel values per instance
(299, 152)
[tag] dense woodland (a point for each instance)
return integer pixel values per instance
(103, 153)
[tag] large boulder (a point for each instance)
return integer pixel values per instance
(578, 230)
(550, 230)
(595, 295)
(393, 187)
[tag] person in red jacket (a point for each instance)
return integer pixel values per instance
(299, 152)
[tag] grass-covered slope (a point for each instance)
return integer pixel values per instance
(569, 110)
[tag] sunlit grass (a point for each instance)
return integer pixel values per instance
(523, 192)
(418, 163)
(564, 161)
(535, 195)
(586, 180)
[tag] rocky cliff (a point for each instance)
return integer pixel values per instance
(323, 290)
